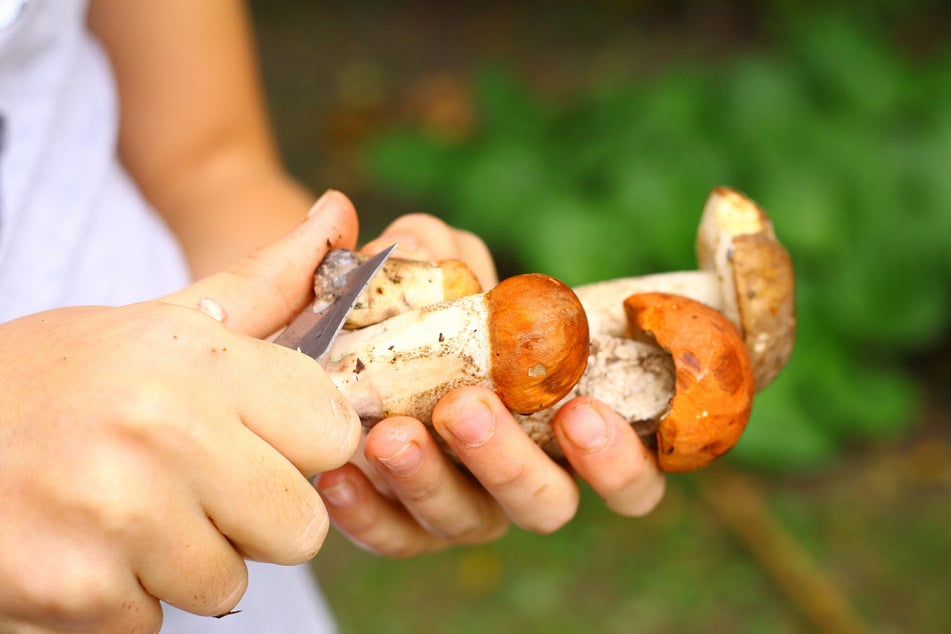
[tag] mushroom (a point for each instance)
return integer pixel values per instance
(637, 378)
(682, 377)
(526, 339)
(746, 278)
(745, 272)
(713, 393)
(401, 285)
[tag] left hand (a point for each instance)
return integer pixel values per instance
(402, 496)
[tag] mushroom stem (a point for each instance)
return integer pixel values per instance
(603, 301)
(526, 339)
(401, 285)
(746, 278)
(633, 378)
(682, 377)
(746, 274)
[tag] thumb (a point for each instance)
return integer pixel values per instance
(261, 292)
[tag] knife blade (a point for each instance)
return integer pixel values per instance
(313, 331)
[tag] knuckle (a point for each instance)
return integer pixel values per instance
(479, 531)
(511, 475)
(149, 409)
(80, 597)
(227, 592)
(422, 492)
(112, 495)
(310, 538)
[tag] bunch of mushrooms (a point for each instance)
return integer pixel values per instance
(679, 355)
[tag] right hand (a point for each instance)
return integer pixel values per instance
(146, 450)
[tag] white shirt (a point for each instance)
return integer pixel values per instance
(75, 230)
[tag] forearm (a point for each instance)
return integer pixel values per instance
(194, 132)
(231, 205)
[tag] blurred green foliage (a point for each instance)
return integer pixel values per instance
(840, 136)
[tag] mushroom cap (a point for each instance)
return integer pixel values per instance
(736, 240)
(538, 335)
(714, 385)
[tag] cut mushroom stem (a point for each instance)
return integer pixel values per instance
(682, 377)
(401, 285)
(747, 276)
(634, 378)
(526, 339)
(746, 273)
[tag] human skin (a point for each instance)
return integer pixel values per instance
(210, 167)
(402, 496)
(144, 452)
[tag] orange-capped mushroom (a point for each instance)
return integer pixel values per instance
(714, 383)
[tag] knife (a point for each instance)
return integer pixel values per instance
(313, 331)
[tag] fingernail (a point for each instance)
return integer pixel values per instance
(341, 494)
(404, 462)
(585, 428)
(472, 424)
(320, 204)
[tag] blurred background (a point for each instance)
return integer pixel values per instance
(581, 139)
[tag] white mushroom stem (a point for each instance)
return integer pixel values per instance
(400, 285)
(526, 339)
(603, 301)
(747, 276)
(634, 379)
(402, 365)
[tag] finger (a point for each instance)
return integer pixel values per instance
(369, 519)
(253, 494)
(263, 291)
(432, 489)
(189, 564)
(372, 473)
(263, 505)
(537, 494)
(293, 406)
(283, 396)
(474, 252)
(426, 237)
(606, 452)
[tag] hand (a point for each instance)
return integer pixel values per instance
(403, 496)
(146, 450)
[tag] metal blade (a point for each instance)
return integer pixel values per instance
(313, 331)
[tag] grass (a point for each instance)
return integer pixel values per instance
(876, 526)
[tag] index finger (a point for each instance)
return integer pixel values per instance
(261, 292)
(287, 399)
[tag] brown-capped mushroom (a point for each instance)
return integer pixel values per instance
(737, 240)
(526, 339)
